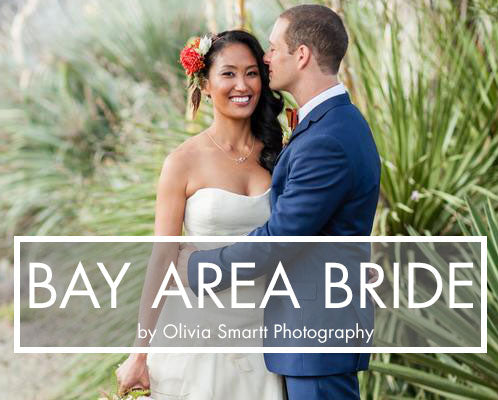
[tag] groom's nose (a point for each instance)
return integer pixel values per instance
(266, 58)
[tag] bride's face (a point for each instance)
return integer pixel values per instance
(234, 82)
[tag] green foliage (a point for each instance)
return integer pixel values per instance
(7, 312)
(109, 75)
(134, 394)
(456, 376)
(86, 376)
(85, 124)
(431, 103)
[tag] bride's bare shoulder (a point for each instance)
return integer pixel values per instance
(192, 145)
(185, 156)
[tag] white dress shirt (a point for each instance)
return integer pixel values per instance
(320, 98)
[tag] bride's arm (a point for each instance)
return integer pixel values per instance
(169, 212)
(170, 207)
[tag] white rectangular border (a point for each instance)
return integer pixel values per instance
(331, 239)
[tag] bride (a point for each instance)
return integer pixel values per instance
(215, 183)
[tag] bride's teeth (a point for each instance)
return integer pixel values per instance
(240, 99)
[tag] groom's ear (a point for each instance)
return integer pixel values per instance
(303, 55)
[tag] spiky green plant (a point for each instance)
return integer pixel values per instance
(72, 107)
(90, 115)
(428, 94)
(455, 376)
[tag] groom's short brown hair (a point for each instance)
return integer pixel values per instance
(319, 28)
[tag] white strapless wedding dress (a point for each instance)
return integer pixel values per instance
(216, 212)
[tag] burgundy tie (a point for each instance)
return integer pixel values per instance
(291, 117)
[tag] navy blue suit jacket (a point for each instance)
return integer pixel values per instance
(326, 182)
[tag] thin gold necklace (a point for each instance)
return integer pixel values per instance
(238, 160)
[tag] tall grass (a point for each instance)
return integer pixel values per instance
(88, 89)
(86, 121)
(428, 91)
(426, 79)
(457, 376)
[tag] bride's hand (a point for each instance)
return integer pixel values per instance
(133, 374)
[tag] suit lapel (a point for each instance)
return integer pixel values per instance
(316, 114)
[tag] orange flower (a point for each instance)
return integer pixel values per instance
(191, 60)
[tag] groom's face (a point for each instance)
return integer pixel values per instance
(282, 64)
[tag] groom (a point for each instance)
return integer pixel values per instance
(326, 180)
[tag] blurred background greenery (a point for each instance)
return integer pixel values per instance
(92, 98)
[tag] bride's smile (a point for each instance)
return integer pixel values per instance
(241, 100)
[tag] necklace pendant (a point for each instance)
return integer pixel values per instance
(238, 160)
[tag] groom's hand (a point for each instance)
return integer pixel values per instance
(373, 275)
(186, 249)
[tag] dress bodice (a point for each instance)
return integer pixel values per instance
(218, 212)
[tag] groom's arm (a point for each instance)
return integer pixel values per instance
(319, 181)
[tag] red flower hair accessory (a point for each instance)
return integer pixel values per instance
(192, 57)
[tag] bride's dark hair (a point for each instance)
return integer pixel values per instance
(264, 120)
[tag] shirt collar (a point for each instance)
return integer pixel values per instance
(320, 98)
